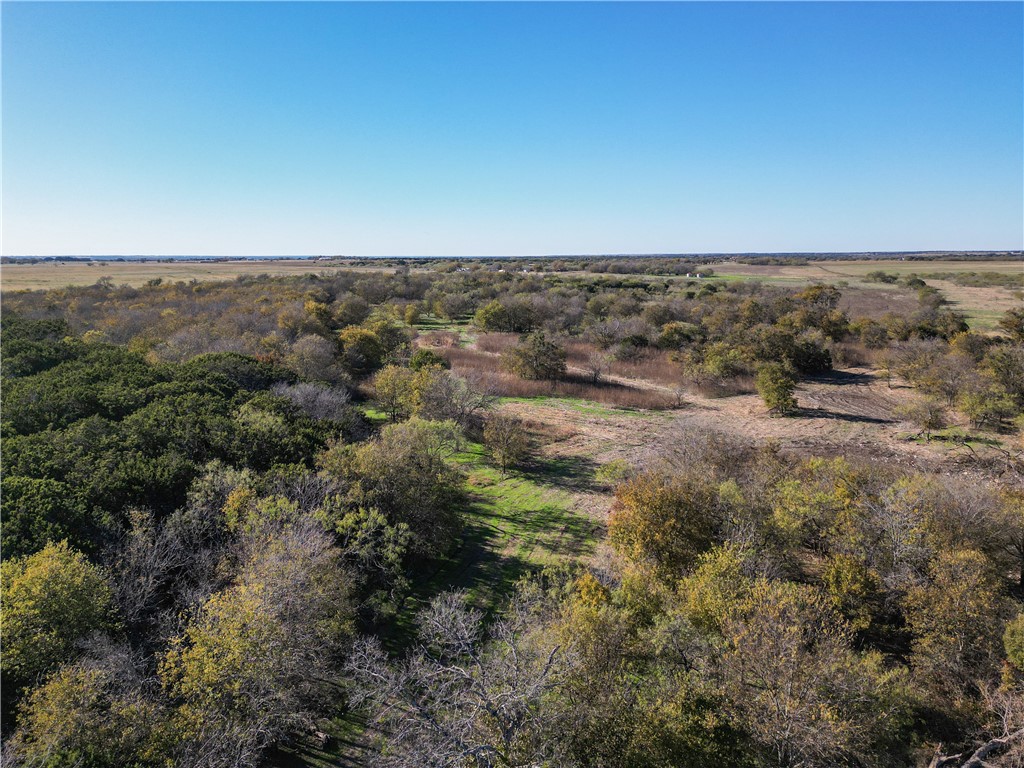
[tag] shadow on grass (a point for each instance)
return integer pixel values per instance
(569, 473)
(346, 745)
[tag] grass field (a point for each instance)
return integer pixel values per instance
(515, 524)
(19, 277)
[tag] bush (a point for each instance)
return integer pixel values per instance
(775, 385)
(536, 358)
(427, 358)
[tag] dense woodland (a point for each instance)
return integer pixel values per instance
(219, 499)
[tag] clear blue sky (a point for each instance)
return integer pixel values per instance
(533, 128)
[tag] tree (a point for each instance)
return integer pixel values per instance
(465, 697)
(775, 384)
(508, 316)
(597, 365)
(1010, 527)
(665, 522)
(393, 386)
(256, 661)
(440, 395)
(406, 474)
(928, 414)
(1012, 323)
(51, 600)
(506, 440)
(361, 350)
(795, 685)
(535, 357)
(100, 712)
(987, 404)
(1013, 642)
(956, 622)
(427, 358)
(40, 510)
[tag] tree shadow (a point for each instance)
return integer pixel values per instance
(821, 413)
(569, 473)
(842, 378)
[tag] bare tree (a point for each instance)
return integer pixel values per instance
(316, 400)
(460, 700)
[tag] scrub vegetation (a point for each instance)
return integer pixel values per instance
(603, 513)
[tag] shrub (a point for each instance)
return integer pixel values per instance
(426, 358)
(536, 358)
(775, 385)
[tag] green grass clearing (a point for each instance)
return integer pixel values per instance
(587, 407)
(514, 525)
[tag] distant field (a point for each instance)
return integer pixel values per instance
(856, 270)
(983, 306)
(18, 277)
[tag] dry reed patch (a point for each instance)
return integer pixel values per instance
(439, 339)
(496, 343)
(484, 368)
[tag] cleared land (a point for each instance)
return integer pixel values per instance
(20, 277)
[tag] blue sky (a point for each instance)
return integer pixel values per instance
(511, 128)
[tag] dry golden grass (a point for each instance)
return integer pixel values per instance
(483, 368)
(21, 277)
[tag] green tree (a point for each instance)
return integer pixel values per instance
(775, 384)
(427, 358)
(506, 440)
(664, 521)
(407, 475)
(393, 386)
(51, 600)
(40, 510)
(535, 357)
(362, 350)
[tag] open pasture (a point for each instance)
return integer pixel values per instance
(60, 274)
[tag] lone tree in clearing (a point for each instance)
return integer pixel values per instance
(506, 440)
(535, 357)
(775, 385)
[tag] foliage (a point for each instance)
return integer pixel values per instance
(51, 600)
(427, 358)
(776, 385)
(664, 521)
(255, 662)
(506, 440)
(535, 357)
(97, 712)
(405, 474)
(1013, 642)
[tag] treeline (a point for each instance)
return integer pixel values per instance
(709, 335)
